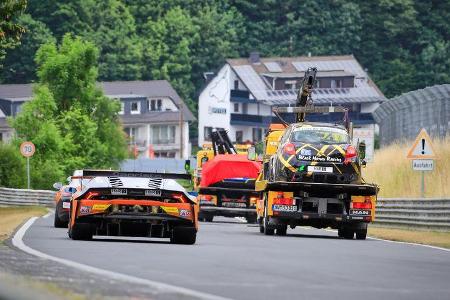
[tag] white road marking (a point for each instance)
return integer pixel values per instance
(241, 219)
(17, 241)
(398, 242)
(50, 212)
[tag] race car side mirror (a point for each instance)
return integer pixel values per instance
(362, 150)
(57, 185)
(251, 153)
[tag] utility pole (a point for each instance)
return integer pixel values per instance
(181, 130)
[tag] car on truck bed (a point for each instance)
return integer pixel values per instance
(136, 204)
(312, 176)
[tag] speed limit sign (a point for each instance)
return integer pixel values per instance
(27, 149)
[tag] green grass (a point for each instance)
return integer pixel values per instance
(11, 217)
(393, 172)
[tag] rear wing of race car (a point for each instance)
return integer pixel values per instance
(110, 173)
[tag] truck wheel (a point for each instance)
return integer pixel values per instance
(81, 232)
(183, 235)
(361, 234)
(267, 230)
(251, 219)
(282, 230)
(58, 223)
(349, 233)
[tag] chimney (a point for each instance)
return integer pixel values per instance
(254, 58)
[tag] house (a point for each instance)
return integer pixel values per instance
(153, 115)
(241, 96)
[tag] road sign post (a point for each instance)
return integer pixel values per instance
(423, 155)
(27, 149)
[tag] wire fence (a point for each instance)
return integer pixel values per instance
(402, 117)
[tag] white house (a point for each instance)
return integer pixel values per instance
(240, 97)
(153, 115)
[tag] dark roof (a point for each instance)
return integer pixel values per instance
(150, 88)
(16, 92)
(152, 117)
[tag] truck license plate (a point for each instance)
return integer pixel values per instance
(320, 169)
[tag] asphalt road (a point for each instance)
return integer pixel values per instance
(234, 260)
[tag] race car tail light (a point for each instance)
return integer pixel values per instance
(91, 195)
(281, 200)
(206, 197)
(179, 197)
(289, 149)
(350, 154)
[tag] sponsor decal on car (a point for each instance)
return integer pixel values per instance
(100, 206)
(66, 204)
(85, 210)
(185, 213)
(118, 191)
(170, 209)
(152, 192)
(360, 212)
(278, 207)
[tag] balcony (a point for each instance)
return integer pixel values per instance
(240, 96)
(251, 120)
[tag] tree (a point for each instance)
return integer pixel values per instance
(71, 122)
(19, 65)
(10, 31)
(12, 167)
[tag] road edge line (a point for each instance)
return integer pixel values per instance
(400, 242)
(17, 242)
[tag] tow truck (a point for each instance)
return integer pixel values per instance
(225, 180)
(311, 174)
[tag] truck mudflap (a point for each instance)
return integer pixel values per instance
(351, 189)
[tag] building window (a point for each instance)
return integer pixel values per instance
(236, 84)
(163, 134)
(122, 108)
(336, 83)
(290, 84)
(135, 107)
(131, 133)
(244, 108)
(257, 134)
(239, 136)
(165, 154)
(155, 105)
(207, 133)
(236, 107)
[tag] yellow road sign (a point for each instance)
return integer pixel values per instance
(422, 147)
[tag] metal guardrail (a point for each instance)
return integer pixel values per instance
(430, 213)
(13, 197)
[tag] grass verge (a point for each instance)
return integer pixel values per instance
(11, 217)
(433, 238)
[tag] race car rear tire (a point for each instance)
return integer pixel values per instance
(208, 218)
(261, 225)
(58, 223)
(183, 235)
(341, 232)
(281, 230)
(361, 234)
(81, 231)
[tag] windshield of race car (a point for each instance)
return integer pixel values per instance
(320, 135)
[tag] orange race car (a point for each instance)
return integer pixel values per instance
(116, 203)
(62, 204)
